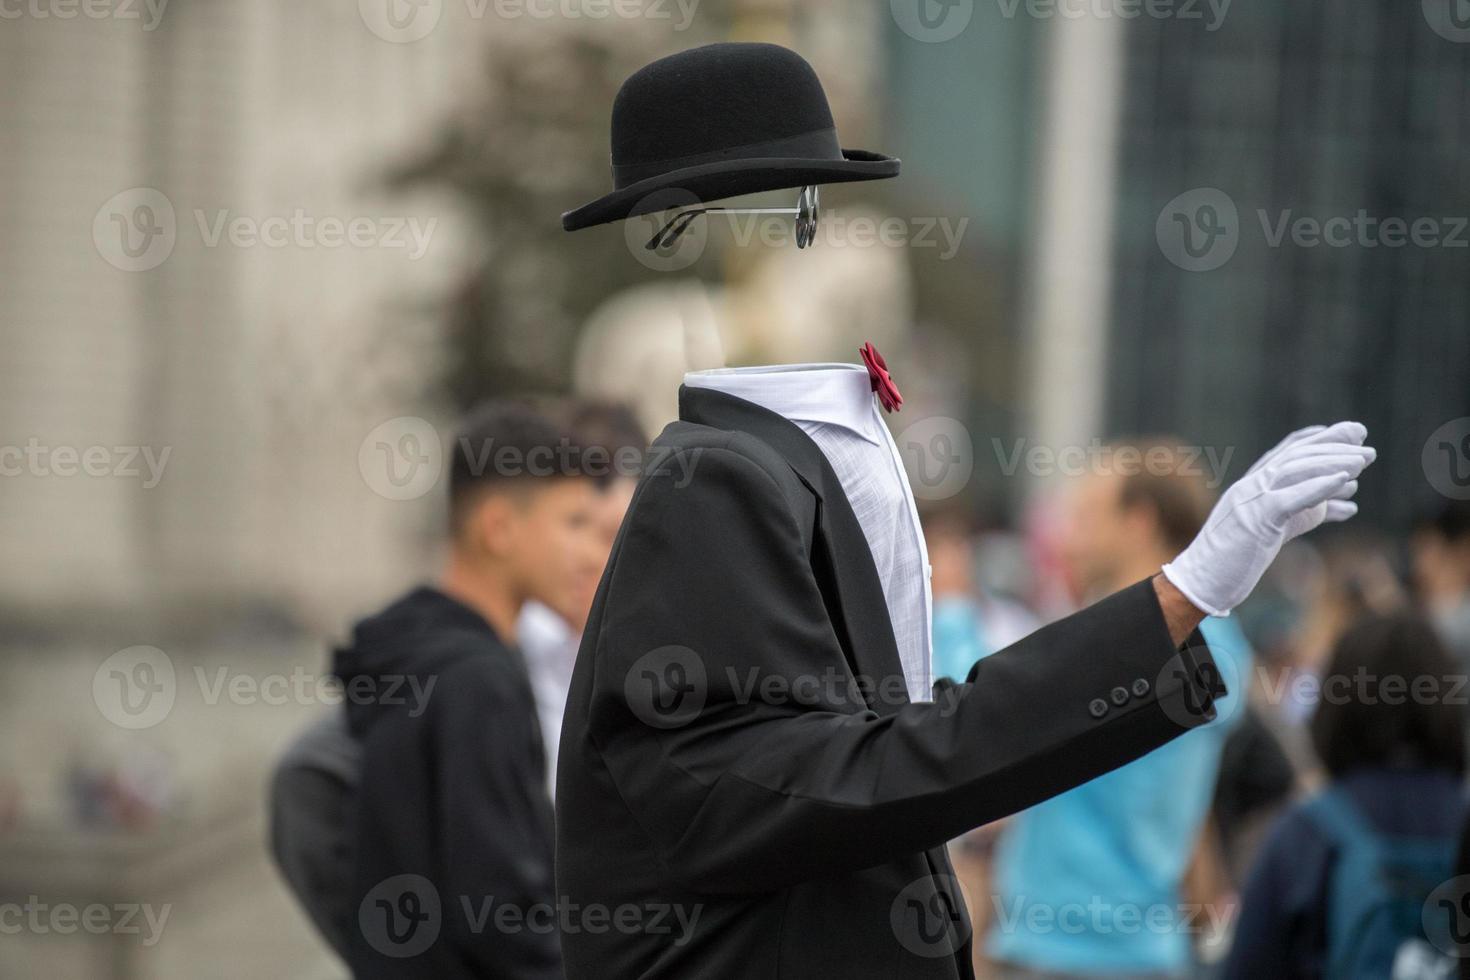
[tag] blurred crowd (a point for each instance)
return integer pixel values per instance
(1346, 674)
(1296, 835)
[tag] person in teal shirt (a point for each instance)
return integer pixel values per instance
(1089, 883)
(969, 621)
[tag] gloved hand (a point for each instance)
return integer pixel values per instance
(1308, 478)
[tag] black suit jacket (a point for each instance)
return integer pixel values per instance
(743, 788)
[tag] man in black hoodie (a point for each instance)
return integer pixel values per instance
(453, 824)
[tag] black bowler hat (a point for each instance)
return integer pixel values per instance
(720, 121)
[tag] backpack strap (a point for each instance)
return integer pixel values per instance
(1334, 812)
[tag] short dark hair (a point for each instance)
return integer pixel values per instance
(1167, 482)
(1372, 727)
(1451, 522)
(504, 444)
(613, 441)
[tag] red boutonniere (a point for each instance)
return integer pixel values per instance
(881, 380)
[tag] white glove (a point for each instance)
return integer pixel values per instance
(1308, 478)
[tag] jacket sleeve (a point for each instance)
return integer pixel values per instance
(496, 825)
(770, 769)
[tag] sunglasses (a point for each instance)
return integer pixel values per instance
(807, 210)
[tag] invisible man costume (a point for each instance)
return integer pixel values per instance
(751, 756)
(755, 779)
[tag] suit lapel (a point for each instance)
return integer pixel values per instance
(841, 558)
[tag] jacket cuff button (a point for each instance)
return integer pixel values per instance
(1120, 696)
(1098, 707)
(1140, 688)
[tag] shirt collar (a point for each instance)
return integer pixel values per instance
(834, 394)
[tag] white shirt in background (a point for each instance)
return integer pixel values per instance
(550, 650)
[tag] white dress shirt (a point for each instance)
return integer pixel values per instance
(834, 404)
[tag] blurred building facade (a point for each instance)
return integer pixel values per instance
(257, 368)
(1251, 126)
(219, 396)
(1286, 117)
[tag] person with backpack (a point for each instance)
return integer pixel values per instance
(1349, 883)
(415, 824)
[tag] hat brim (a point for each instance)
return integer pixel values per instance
(727, 178)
